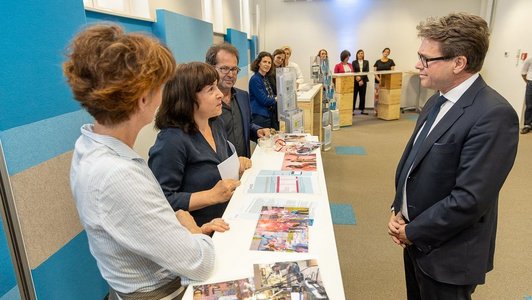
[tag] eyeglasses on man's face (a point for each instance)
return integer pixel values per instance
(425, 60)
(225, 69)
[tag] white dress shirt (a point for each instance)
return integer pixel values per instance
(133, 232)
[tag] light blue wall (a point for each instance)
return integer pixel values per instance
(188, 38)
(253, 47)
(130, 25)
(31, 52)
(7, 273)
(239, 39)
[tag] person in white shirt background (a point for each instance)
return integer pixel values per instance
(290, 64)
(527, 77)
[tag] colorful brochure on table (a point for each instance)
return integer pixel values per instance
(282, 229)
(289, 281)
(299, 162)
(227, 290)
(284, 182)
(252, 209)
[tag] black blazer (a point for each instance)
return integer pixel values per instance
(365, 68)
(249, 128)
(453, 187)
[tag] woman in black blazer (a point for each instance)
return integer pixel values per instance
(361, 82)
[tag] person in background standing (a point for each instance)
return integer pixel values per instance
(383, 64)
(290, 64)
(527, 77)
(236, 109)
(322, 54)
(448, 180)
(278, 62)
(361, 82)
(262, 98)
(344, 66)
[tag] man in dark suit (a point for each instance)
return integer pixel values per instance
(454, 165)
(236, 110)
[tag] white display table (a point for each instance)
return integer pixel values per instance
(234, 260)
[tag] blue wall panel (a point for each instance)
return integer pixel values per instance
(70, 273)
(253, 47)
(131, 25)
(188, 38)
(13, 294)
(31, 54)
(7, 273)
(239, 39)
(32, 144)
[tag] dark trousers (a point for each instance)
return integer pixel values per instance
(528, 103)
(266, 122)
(421, 287)
(361, 91)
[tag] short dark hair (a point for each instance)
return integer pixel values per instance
(255, 63)
(345, 54)
(179, 96)
(386, 49)
(359, 50)
(459, 34)
(210, 57)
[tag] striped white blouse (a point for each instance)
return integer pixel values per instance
(133, 233)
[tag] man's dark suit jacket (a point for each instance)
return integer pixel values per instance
(453, 187)
(365, 68)
(249, 128)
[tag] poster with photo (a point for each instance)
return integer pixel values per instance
(283, 229)
(292, 280)
(241, 289)
(299, 162)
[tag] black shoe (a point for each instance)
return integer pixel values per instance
(363, 113)
(525, 130)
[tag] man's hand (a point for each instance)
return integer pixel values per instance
(396, 229)
(264, 132)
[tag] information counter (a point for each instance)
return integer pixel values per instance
(311, 103)
(390, 94)
(235, 260)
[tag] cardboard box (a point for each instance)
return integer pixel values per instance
(391, 81)
(344, 84)
(346, 117)
(387, 96)
(344, 101)
(388, 111)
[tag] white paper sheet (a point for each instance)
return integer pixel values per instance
(229, 168)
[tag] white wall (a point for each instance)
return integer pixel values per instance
(370, 25)
(231, 14)
(511, 31)
(190, 8)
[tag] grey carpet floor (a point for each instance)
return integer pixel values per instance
(371, 264)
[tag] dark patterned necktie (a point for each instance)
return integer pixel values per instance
(413, 152)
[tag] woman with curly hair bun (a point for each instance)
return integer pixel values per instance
(143, 248)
